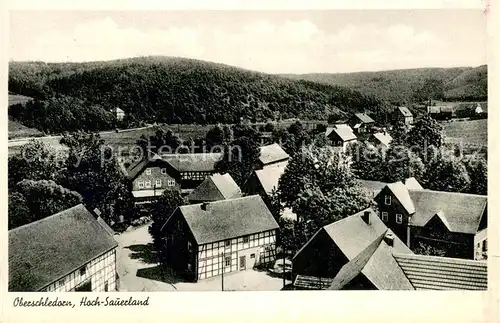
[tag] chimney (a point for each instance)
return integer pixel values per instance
(204, 206)
(389, 239)
(366, 217)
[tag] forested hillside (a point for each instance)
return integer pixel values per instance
(71, 96)
(413, 85)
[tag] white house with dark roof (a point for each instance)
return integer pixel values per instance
(72, 250)
(215, 188)
(207, 239)
(361, 122)
(152, 175)
(272, 156)
(340, 136)
(453, 222)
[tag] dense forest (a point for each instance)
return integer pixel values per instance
(412, 85)
(82, 96)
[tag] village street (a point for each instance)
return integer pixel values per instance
(139, 271)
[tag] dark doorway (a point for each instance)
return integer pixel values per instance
(85, 287)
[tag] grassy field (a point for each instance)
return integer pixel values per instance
(17, 130)
(470, 131)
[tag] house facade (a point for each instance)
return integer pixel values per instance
(150, 177)
(72, 250)
(403, 115)
(209, 239)
(361, 123)
(455, 223)
(340, 136)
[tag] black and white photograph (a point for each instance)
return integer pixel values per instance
(210, 150)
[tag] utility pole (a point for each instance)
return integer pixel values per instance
(223, 263)
(284, 267)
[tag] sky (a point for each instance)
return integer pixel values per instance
(326, 41)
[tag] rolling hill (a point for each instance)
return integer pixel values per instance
(74, 96)
(412, 85)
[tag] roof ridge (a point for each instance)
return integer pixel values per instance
(221, 201)
(449, 193)
(48, 217)
(441, 259)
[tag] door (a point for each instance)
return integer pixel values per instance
(252, 259)
(243, 262)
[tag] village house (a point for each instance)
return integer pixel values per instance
(380, 140)
(403, 115)
(360, 252)
(119, 114)
(453, 222)
(215, 188)
(264, 182)
(73, 250)
(207, 239)
(271, 156)
(150, 177)
(361, 123)
(440, 112)
(374, 187)
(353, 253)
(340, 136)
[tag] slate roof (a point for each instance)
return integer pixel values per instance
(405, 111)
(272, 153)
(344, 133)
(228, 219)
(193, 162)
(462, 212)
(136, 168)
(441, 273)
(215, 188)
(269, 177)
(412, 184)
(44, 251)
(364, 118)
(383, 138)
(367, 252)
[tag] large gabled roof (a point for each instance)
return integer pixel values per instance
(441, 273)
(367, 252)
(269, 177)
(203, 162)
(460, 212)
(344, 133)
(272, 153)
(383, 138)
(227, 219)
(405, 111)
(44, 251)
(364, 118)
(215, 188)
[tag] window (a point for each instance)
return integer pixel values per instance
(228, 261)
(85, 287)
(83, 270)
(246, 239)
(141, 184)
(163, 170)
(148, 171)
(171, 182)
(61, 282)
(190, 246)
(399, 218)
(190, 267)
(387, 200)
(252, 256)
(147, 184)
(385, 216)
(106, 286)
(158, 183)
(227, 243)
(485, 246)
